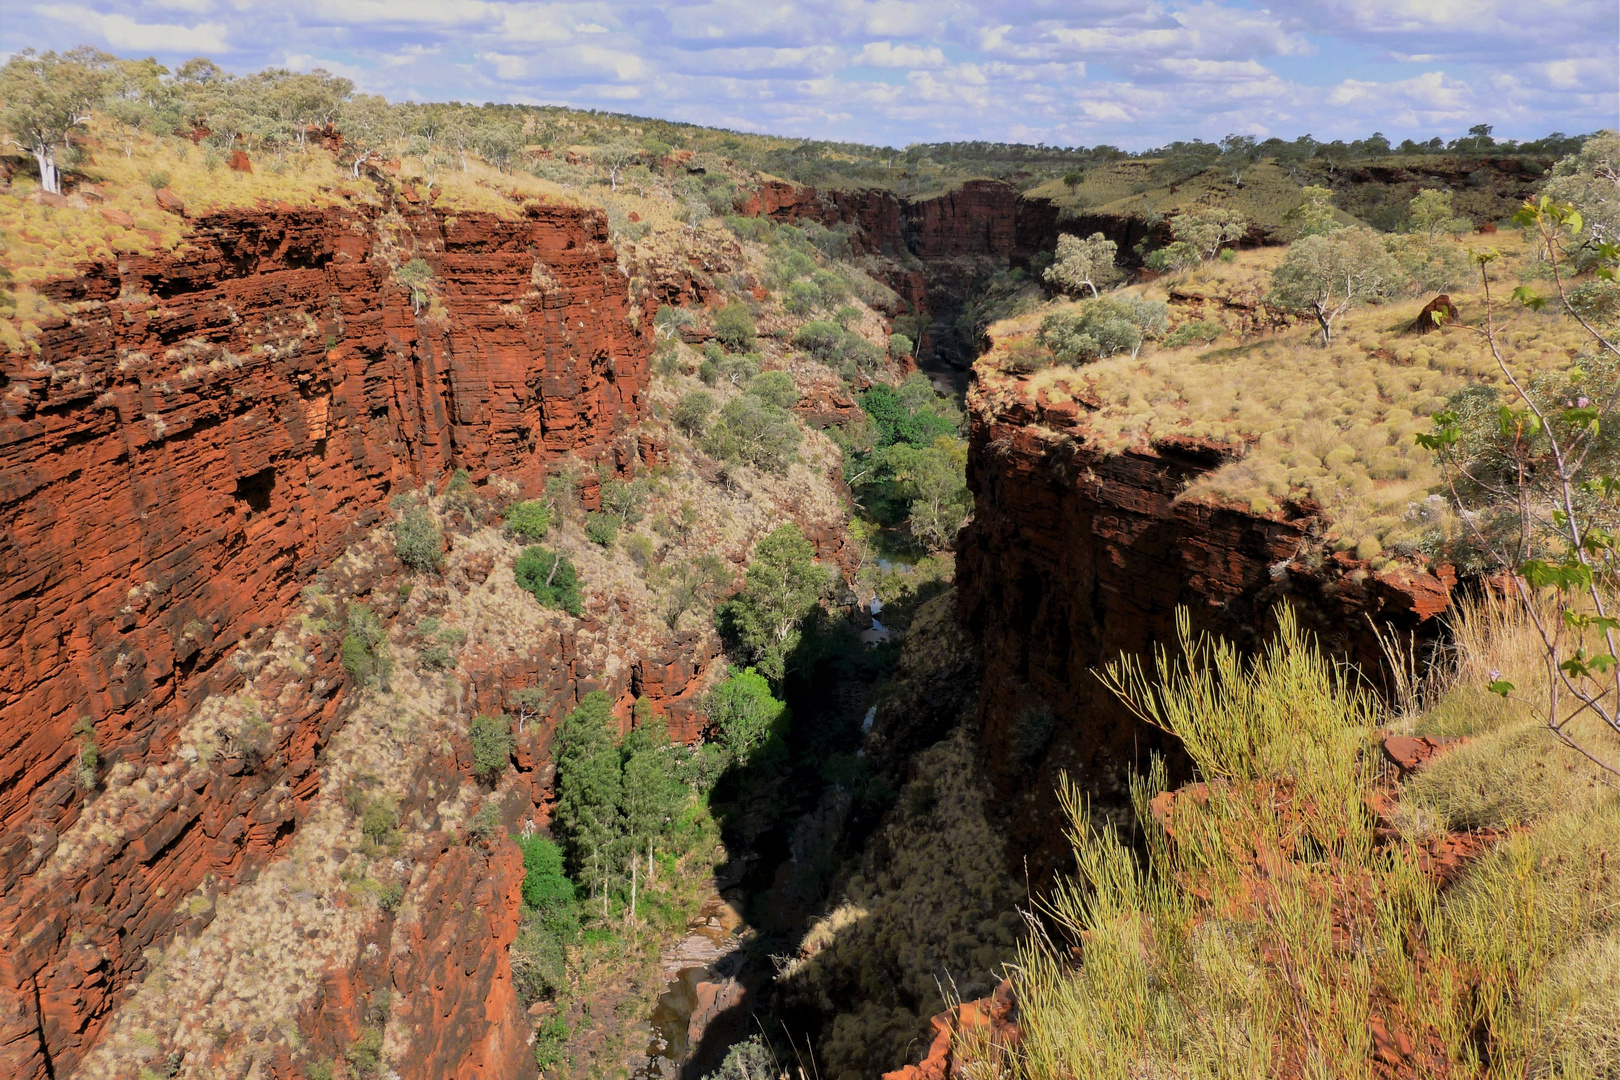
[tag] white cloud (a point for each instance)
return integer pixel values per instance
(122, 32)
(506, 66)
(1127, 72)
(889, 55)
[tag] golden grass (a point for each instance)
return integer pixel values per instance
(1334, 424)
(1271, 930)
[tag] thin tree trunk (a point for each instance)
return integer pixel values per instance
(49, 178)
(635, 864)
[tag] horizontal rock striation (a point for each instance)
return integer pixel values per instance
(178, 458)
(1075, 556)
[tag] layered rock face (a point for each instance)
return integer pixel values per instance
(182, 454)
(1074, 557)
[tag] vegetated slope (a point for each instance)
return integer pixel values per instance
(201, 434)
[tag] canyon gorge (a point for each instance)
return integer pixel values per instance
(201, 458)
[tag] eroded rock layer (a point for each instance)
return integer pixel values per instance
(1075, 556)
(179, 457)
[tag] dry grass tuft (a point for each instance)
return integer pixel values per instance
(1273, 930)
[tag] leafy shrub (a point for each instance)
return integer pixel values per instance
(692, 412)
(801, 298)
(483, 825)
(602, 529)
(550, 578)
(783, 587)
(756, 432)
(529, 520)
(1198, 331)
(820, 339)
(377, 821)
(910, 413)
(418, 541)
(846, 315)
(746, 715)
(1102, 328)
(625, 501)
(734, 326)
(157, 180)
(775, 388)
(834, 289)
(491, 738)
(709, 372)
(544, 883)
(549, 1039)
(365, 648)
(900, 346)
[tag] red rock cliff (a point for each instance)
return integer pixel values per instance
(181, 455)
(1074, 557)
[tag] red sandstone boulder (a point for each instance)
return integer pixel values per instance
(239, 162)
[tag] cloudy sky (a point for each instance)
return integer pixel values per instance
(1132, 73)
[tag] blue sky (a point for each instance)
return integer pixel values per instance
(897, 71)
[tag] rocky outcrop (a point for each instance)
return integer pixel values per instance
(177, 459)
(1075, 556)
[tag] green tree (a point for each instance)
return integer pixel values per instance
(801, 298)
(734, 326)
(692, 412)
(601, 529)
(369, 123)
(1432, 215)
(783, 587)
(1314, 214)
(774, 388)
(365, 648)
(1209, 230)
(625, 501)
(589, 789)
(1324, 276)
(615, 157)
(45, 96)
(1590, 181)
(932, 480)
(1101, 328)
(491, 738)
(418, 541)
(755, 432)
(900, 346)
(651, 795)
(545, 885)
(1081, 263)
(550, 578)
(528, 520)
(745, 715)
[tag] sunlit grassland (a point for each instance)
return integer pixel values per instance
(1334, 425)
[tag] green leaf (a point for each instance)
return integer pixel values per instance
(1500, 686)
(1531, 299)
(1601, 662)
(1581, 418)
